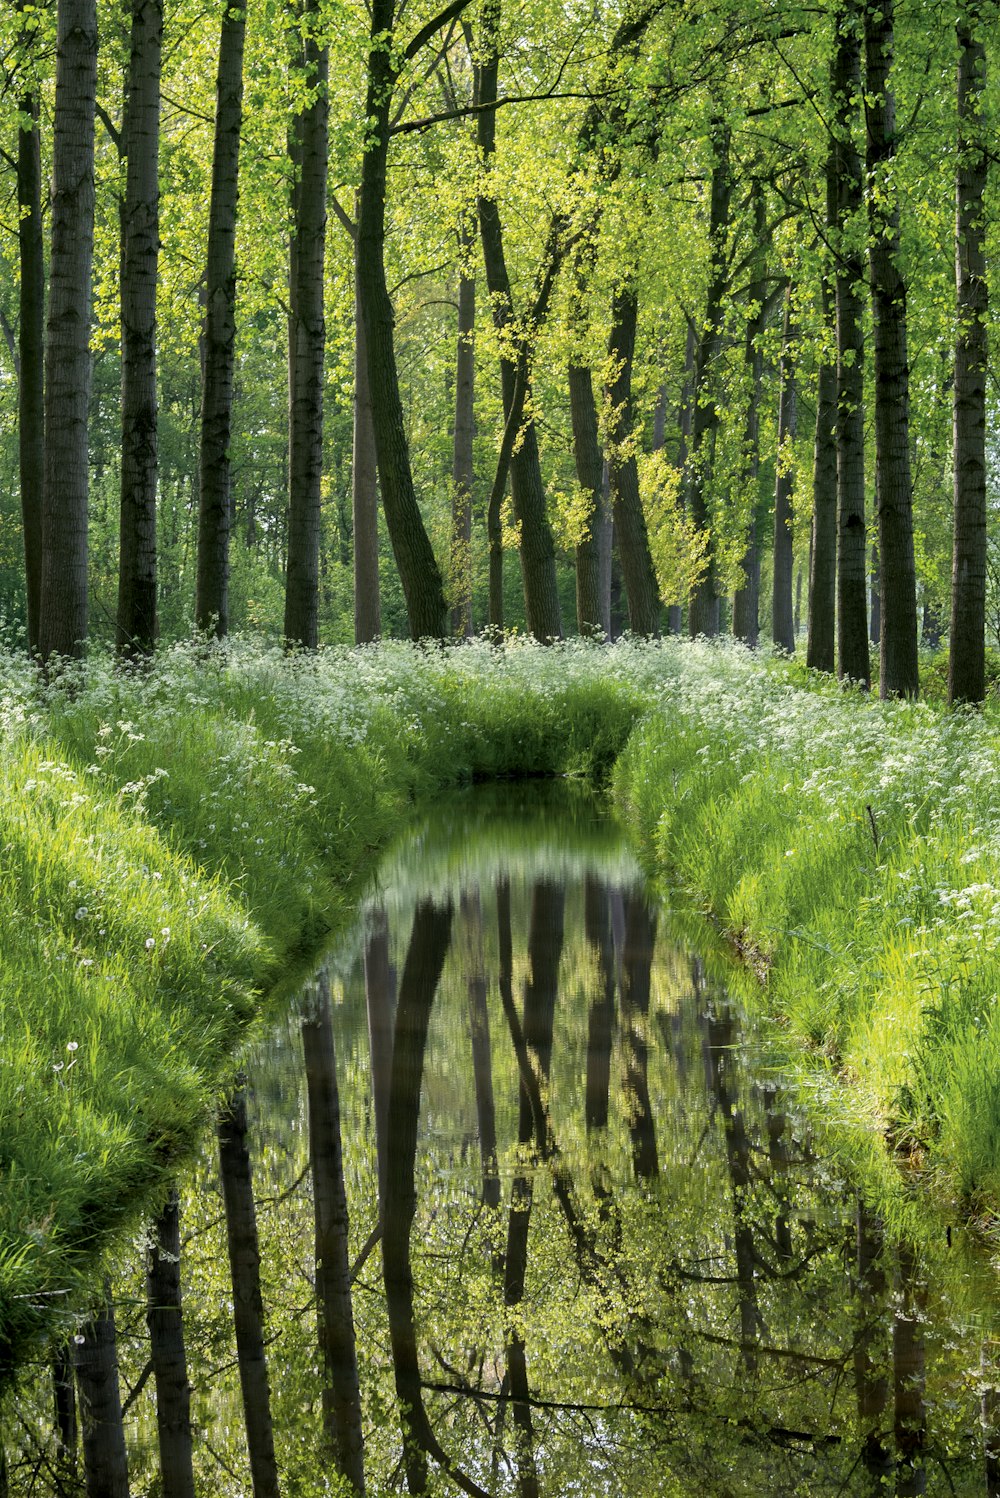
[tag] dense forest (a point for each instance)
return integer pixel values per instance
(335, 311)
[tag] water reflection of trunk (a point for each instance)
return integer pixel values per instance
(166, 1340)
(870, 1378)
(718, 1054)
(989, 1414)
(341, 1390)
(248, 1306)
(908, 1379)
(380, 1002)
(637, 962)
(482, 1066)
(95, 1361)
(600, 1026)
(64, 1410)
(777, 1149)
(545, 940)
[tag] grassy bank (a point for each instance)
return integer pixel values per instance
(176, 844)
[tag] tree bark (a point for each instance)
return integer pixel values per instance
(746, 600)
(31, 331)
(967, 650)
(211, 608)
(853, 660)
(589, 460)
(64, 1411)
(166, 1337)
(821, 643)
(307, 341)
(63, 609)
(341, 1388)
(248, 1306)
(630, 524)
(782, 617)
(364, 488)
(136, 624)
(95, 1360)
(462, 473)
(898, 647)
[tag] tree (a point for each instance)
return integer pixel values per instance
(167, 1354)
(630, 526)
(31, 330)
(782, 616)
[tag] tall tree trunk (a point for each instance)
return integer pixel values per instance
(746, 601)
(95, 1360)
(307, 341)
(248, 1305)
(341, 1388)
(423, 586)
(589, 460)
(821, 641)
(462, 472)
(685, 428)
(537, 549)
(703, 609)
(967, 650)
(211, 608)
(364, 490)
(630, 523)
(853, 660)
(898, 650)
(63, 612)
(136, 624)
(64, 1411)
(166, 1339)
(782, 617)
(31, 330)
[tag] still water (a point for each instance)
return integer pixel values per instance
(581, 1240)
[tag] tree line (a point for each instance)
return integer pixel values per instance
(687, 308)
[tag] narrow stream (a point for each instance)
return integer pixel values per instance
(592, 1248)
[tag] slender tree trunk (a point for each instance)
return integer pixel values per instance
(423, 587)
(746, 601)
(248, 1306)
(630, 523)
(703, 610)
(211, 608)
(136, 624)
(783, 620)
(967, 650)
(364, 490)
(685, 428)
(821, 641)
(853, 661)
(600, 1024)
(341, 1389)
(307, 342)
(590, 476)
(63, 609)
(95, 1359)
(64, 1411)
(31, 330)
(898, 652)
(166, 1338)
(876, 586)
(462, 472)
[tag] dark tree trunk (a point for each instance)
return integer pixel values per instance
(136, 624)
(248, 1305)
(630, 523)
(307, 342)
(637, 961)
(31, 332)
(703, 610)
(783, 618)
(898, 652)
(166, 1340)
(364, 489)
(600, 1025)
(821, 641)
(95, 1359)
(423, 587)
(380, 1005)
(211, 609)
(746, 600)
(967, 650)
(341, 1388)
(63, 608)
(870, 1373)
(853, 661)
(64, 1410)
(462, 473)
(482, 1064)
(590, 476)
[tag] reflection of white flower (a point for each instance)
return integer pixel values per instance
(80, 913)
(150, 943)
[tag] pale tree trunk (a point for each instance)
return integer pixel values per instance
(31, 330)
(95, 1360)
(214, 503)
(967, 650)
(136, 624)
(746, 600)
(853, 660)
(898, 646)
(166, 1338)
(248, 1305)
(462, 474)
(703, 608)
(782, 618)
(630, 523)
(364, 488)
(63, 609)
(307, 342)
(341, 1388)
